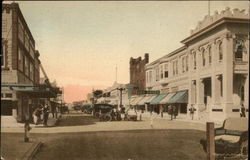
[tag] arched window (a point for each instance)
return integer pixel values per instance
(220, 51)
(239, 51)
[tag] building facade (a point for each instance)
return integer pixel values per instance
(137, 72)
(20, 66)
(212, 66)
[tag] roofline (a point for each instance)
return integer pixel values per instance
(213, 26)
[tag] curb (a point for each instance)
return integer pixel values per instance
(32, 151)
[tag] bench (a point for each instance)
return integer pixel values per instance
(232, 137)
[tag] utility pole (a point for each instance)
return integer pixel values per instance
(120, 89)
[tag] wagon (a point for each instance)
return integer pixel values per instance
(231, 140)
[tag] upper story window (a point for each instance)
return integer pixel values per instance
(31, 71)
(20, 59)
(203, 57)
(186, 63)
(176, 63)
(209, 55)
(26, 66)
(183, 64)
(161, 70)
(157, 74)
(3, 54)
(173, 67)
(166, 70)
(239, 50)
(194, 60)
(220, 51)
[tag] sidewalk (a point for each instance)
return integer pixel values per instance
(12, 147)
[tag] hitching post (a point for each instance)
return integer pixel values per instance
(210, 141)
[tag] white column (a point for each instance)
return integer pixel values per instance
(228, 74)
(200, 93)
(215, 89)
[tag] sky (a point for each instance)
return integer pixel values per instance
(82, 42)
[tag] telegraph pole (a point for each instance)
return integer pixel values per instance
(120, 89)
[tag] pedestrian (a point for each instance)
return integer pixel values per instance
(170, 111)
(37, 115)
(243, 110)
(151, 119)
(192, 111)
(45, 114)
(175, 112)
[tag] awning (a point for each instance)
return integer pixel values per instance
(33, 91)
(136, 100)
(157, 99)
(179, 97)
(146, 99)
(166, 99)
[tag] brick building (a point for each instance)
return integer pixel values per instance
(137, 72)
(20, 66)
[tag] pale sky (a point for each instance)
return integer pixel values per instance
(81, 42)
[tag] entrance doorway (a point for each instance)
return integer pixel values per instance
(207, 91)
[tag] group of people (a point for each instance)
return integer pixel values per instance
(172, 111)
(38, 112)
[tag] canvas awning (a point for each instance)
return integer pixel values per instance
(146, 99)
(33, 91)
(136, 100)
(166, 99)
(157, 99)
(179, 97)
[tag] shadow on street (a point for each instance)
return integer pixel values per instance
(76, 120)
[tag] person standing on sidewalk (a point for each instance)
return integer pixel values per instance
(170, 111)
(242, 110)
(192, 111)
(45, 114)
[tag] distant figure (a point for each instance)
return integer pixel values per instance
(45, 114)
(151, 119)
(243, 110)
(170, 111)
(192, 111)
(175, 112)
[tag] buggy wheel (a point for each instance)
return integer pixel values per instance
(108, 118)
(244, 148)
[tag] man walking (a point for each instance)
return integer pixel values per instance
(192, 111)
(243, 110)
(45, 114)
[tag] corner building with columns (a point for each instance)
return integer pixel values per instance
(211, 67)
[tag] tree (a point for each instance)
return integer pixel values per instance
(97, 93)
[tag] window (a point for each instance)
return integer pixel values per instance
(161, 71)
(203, 58)
(220, 51)
(26, 66)
(20, 59)
(194, 60)
(31, 71)
(209, 55)
(186, 63)
(239, 50)
(173, 67)
(157, 74)
(242, 96)
(176, 67)
(166, 70)
(2, 53)
(183, 64)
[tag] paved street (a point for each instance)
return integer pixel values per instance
(82, 136)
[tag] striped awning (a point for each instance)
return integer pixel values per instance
(136, 100)
(179, 97)
(146, 99)
(166, 99)
(157, 99)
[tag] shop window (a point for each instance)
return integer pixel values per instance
(220, 51)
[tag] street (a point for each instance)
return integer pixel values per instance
(138, 142)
